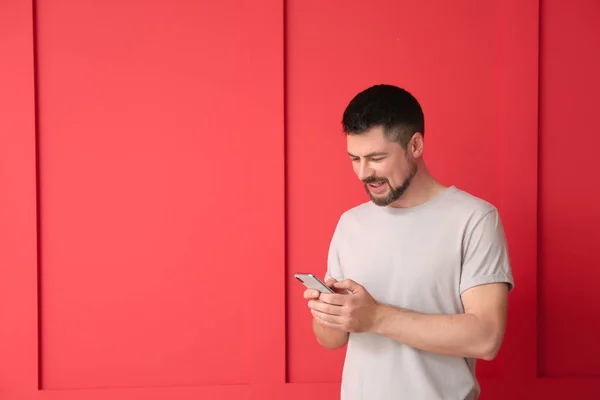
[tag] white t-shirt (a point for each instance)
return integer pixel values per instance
(419, 258)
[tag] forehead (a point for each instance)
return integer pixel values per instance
(371, 141)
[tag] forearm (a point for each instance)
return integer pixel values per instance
(329, 338)
(460, 335)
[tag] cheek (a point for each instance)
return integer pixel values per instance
(395, 173)
(385, 171)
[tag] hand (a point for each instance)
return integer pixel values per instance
(354, 312)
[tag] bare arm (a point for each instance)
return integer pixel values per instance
(478, 333)
(330, 338)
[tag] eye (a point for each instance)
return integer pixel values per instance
(377, 159)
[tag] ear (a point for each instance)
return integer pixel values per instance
(416, 145)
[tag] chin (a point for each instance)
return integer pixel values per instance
(381, 201)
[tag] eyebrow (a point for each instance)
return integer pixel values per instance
(373, 154)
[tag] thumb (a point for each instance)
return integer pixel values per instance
(330, 281)
(349, 285)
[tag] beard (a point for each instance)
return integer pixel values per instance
(394, 193)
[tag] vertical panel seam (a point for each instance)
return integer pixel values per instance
(285, 197)
(39, 360)
(538, 371)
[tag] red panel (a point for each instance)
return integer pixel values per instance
(18, 348)
(517, 165)
(569, 195)
(146, 219)
(479, 96)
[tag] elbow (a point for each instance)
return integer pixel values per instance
(490, 348)
(489, 355)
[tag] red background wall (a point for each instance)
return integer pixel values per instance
(166, 168)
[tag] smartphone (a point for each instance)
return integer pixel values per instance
(312, 282)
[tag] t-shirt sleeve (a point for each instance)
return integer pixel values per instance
(334, 268)
(485, 254)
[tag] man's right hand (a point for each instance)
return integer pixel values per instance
(327, 337)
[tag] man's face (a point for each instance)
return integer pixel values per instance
(383, 166)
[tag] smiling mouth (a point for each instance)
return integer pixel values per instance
(376, 184)
(376, 188)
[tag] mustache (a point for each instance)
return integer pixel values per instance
(374, 179)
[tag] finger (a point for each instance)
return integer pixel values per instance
(325, 308)
(330, 325)
(328, 320)
(348, 284)
(334, 299)
(311, 294)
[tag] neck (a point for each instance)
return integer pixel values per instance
(422, 188)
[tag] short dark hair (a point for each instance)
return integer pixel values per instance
(388, 106)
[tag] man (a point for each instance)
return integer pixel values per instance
(421, 271)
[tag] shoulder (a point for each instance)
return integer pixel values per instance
(469, 206)
(351, 219)
(479, 218)
(358, 210)
(357, 213)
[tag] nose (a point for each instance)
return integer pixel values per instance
(363, 170)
